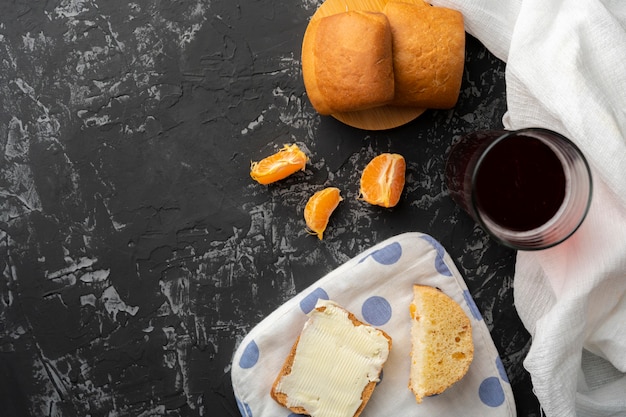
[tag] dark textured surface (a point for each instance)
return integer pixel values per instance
(136, 252)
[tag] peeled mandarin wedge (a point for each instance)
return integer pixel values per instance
(382, 180)
(282, 164)
(319, 208)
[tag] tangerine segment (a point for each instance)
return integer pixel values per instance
(382, 180)
(288, 160)
(319, 208)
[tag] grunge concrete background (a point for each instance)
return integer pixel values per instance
(135, 250)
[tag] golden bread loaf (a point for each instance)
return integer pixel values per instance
(347, 63)
(442, 345)
(428, 54)
(333, 366)
(397, 55)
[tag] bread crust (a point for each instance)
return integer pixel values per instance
(347, 62)
(282, 398)
(428, 54)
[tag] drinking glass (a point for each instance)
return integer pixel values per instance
(530, 189)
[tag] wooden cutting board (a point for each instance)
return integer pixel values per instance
(379, 118)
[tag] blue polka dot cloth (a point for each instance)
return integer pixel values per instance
(376, 286)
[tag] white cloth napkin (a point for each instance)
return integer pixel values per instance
(566, 71)
(376, 286)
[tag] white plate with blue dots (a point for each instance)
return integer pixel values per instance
(376, 286)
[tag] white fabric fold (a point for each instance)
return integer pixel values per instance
(566, 72)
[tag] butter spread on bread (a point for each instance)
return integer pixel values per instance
(442, 346)
(334, 365)
(347, 63)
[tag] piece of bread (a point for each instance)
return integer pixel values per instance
(333, 366)
(442, 346)
(428, 54)
(347, 63)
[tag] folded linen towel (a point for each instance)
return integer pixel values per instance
(566, 71)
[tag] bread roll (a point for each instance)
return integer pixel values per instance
(334, 365)
(428, 54)
(442, 346)
(347, 63)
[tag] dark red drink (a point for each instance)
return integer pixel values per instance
(530, 189)
(530, 181)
